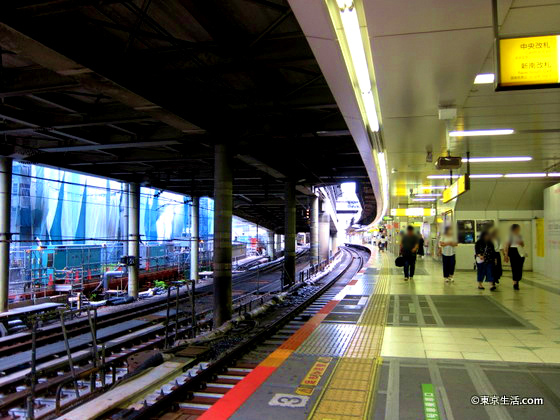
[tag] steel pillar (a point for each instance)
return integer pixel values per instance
(195, 237)
(133, 237)
(314, 236)
(5, 235)
(278, 239)
(270, 244)
(290, 235)
(223, 204)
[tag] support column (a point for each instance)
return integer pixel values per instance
(270, 244)
(324, 235)
(278, 238)
(223, 203)
(314, 236)
(5, 235)
(195, 237)
(133, 237)
(334, 243)
(290, 235)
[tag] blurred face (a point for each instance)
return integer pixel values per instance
(517, 230)
(449, 232)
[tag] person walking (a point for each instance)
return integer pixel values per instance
(409, 248)
(485, 254)
(515, 252)
(497, 270)
(384, 243)
(420, 246)
(447, 245)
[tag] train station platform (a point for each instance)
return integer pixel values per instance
(384, 348)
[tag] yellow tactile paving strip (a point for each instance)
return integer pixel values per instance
(348, 393)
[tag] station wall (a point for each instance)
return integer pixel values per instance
(502, 219)
(551, 228)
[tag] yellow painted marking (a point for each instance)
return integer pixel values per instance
(350, 388)
(276, 358)
(313, 376)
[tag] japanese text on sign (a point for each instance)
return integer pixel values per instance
(529, 61)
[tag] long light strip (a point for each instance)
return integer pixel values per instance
(554, 174)
(471, 133)
(428, 195)
(498, 159)
(529, 175)
(384, 181)
(486, 175)
(353, 34)
(424, 199)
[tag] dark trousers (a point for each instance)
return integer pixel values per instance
(409, 265)
(516, 261)
(484, 272)
(448, 265)
(497, 274)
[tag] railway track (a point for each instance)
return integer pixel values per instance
(204, 381)
(53, 371)
(51, 333)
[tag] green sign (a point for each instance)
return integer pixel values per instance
(431, 411)
(388, 218)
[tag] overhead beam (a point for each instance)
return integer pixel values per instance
(35, 51)
(140, 144)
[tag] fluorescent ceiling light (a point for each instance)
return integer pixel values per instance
(485, 175)
(353, 34)
(533, 175)
(498, 159)
(427, 195)
(371, 112)
(554, 174)
(484, 78)
(424, 199)
(433, 187)
(471, 133)
(443, 176)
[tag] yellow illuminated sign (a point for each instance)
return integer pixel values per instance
(455, 190)
(529, 61)
(413, 212)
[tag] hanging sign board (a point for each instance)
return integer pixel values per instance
(456, 189)
(528, 62)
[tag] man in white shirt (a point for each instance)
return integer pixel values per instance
(447, 244)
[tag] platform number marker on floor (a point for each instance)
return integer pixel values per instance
(289, 400)
(431, 411)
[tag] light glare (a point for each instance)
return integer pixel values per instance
(472, 133)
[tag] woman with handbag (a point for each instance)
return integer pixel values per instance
(485, 254)
(515, 252)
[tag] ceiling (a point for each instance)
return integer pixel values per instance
(426, 54)
(141, 90)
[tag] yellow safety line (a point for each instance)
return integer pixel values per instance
(349, 390)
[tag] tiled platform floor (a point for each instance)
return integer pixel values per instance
(371, 370)
(536, 303)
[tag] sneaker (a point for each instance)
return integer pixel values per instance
(516, 287)
(446, 280)
(406, 279)
(493, 288)
(480, 288)
(451, 279)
